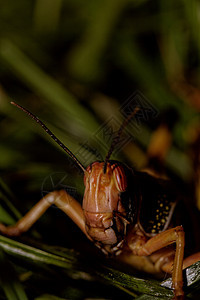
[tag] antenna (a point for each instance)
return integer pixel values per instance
(117, 138)
(51, 134)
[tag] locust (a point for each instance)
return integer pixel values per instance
(126, 213)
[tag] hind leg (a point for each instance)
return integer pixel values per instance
(188, 261)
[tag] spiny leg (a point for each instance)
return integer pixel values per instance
(174, 235)
(61, 199)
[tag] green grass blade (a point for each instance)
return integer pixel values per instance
(132, 283)
(6, 196)
(10, 215)
(21, 250)
(45, 86)
(69, 262)
(9, 281)
(73, 263)
(49, 297)
(148, 297)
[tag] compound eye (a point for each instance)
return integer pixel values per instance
(120, 178)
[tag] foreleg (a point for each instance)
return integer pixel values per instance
(174, 235)
(61, 199)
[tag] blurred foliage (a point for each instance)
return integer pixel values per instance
(74, 64)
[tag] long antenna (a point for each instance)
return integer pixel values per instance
(51, 134)
(117, 138)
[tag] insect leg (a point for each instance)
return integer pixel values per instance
(61, 199)
(188, 261)
(163, 239)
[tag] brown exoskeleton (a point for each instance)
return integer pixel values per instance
(125, 213)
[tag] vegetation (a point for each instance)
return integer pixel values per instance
(74, 64)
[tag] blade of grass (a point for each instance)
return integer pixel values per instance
(148, 297)
(18, 249)
(43, 9)
(45, 86)
(73, 263)
(5, 196)
(70, 263)
(10, 283)
(138, 66)
(191, 14)
(5, 217)
(84, 62)
(132, 283)
(49, 297)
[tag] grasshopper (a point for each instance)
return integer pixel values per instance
(126, 214)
